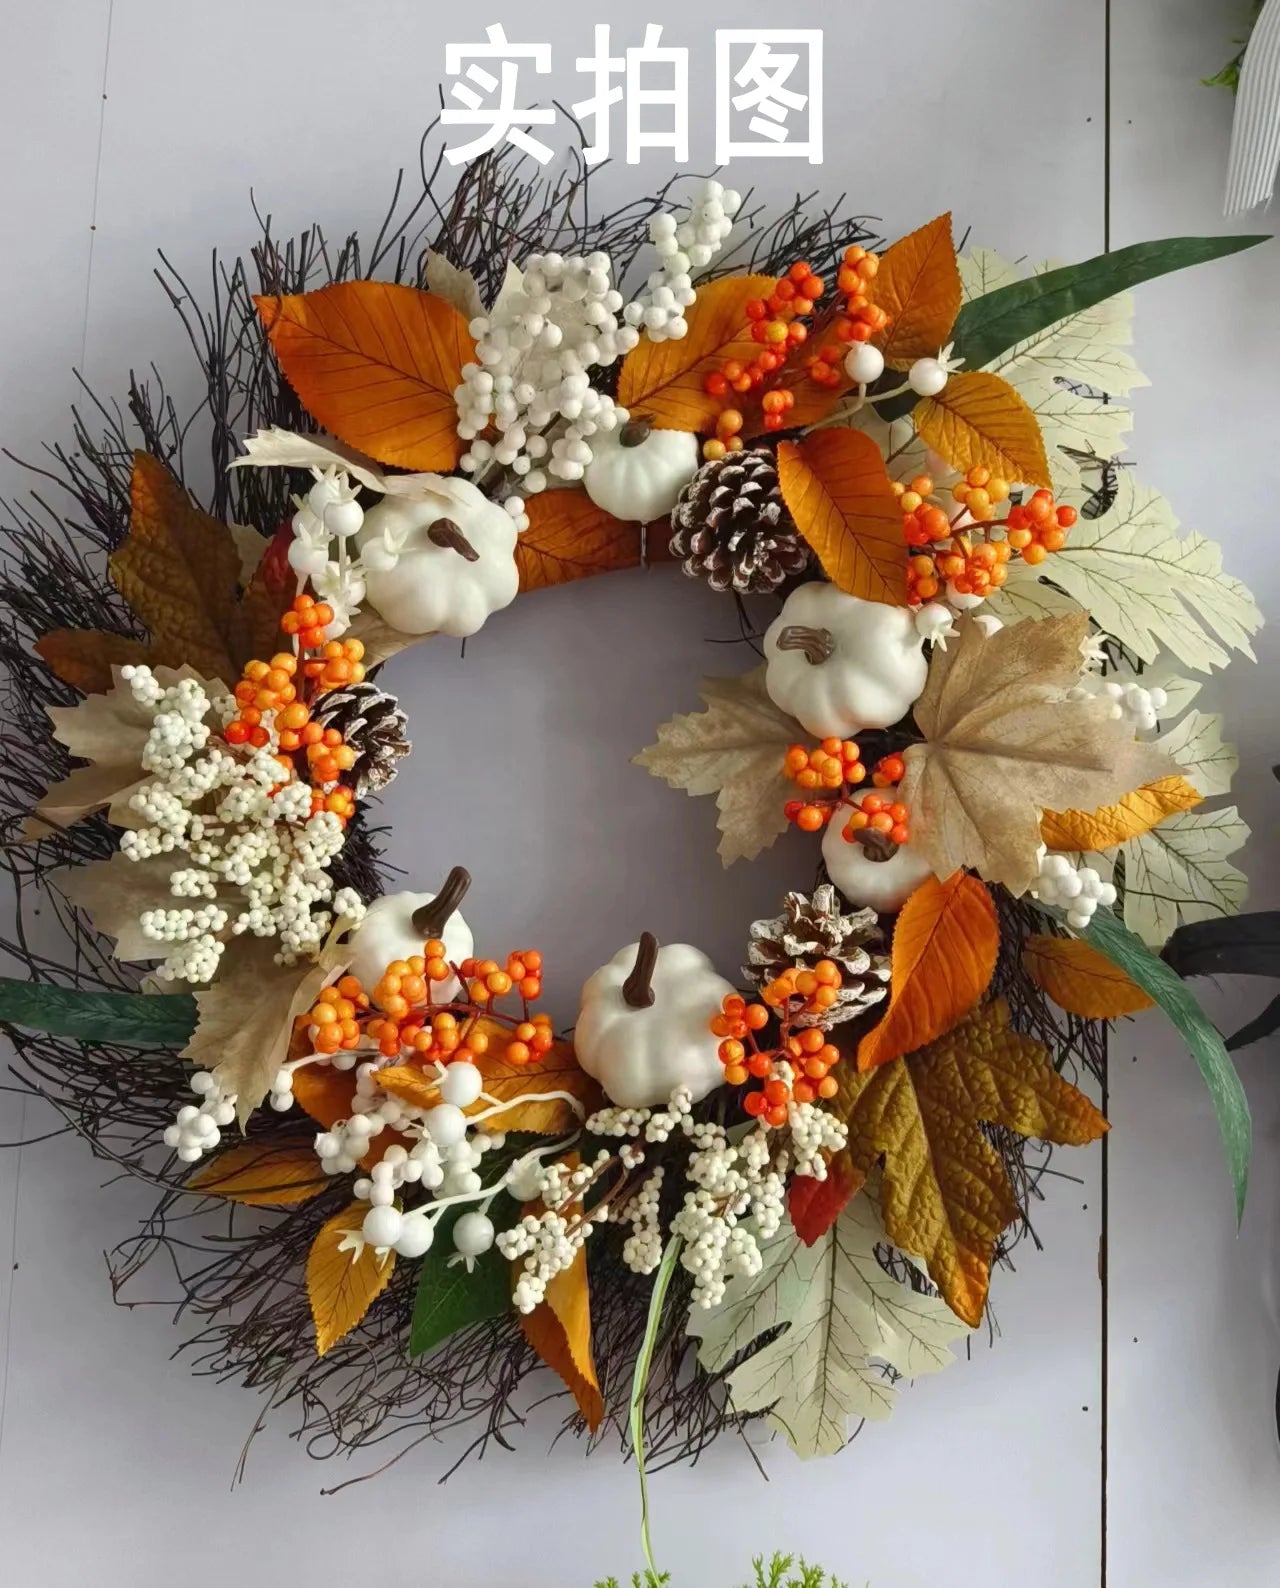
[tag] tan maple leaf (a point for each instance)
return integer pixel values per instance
(944, 1194)
(1004, 743)
(734, 750)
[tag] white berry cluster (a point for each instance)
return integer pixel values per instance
(1129, 701)
(328, 518)
(642, 1249)
(244, 837)
(684, 244)
(198, 1127)
(1079, 889)
(550, 1242)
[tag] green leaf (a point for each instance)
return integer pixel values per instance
(449, 1298)
(1112, 938)
(164, 1020)
(640, 1382)
(990, 325)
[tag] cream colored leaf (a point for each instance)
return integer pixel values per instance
(1077, 419)
(455, 286)
(1179, 692)
(733, 749)
(982, 270)
(1151, 587)
(843, 1315)
(1003, 744)
(113, 894)
(1196, 744)
(1179, 871)
(246, 1017)
(1025, 595)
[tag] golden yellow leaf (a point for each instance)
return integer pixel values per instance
(179, 569)
(410, 1085)
(837, 489)
(664, 380)
(87, 658)
(557, 1072)
(377, 365)
(977, 418)
(344, 1276)
(559, 1330)
(918, 286)
(1130, 817)
(263, 1174)
(246, 1017)
(944, 1194)
(944, 956)
(569, 537)
(1080, 980)
(1002, 744)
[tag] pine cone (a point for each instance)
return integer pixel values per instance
(732, 528)
(810, 929)
(374, 726)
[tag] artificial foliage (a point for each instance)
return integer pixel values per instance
(778, 1191)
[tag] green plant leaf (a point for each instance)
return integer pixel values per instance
(1111, 937)
(449, 1298)
(164, 1020)
(990, 325)
(640, 1382)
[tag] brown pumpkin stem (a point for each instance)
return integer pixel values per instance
(444, 532)
(431, 919)
(636, 431)
(637, 990)
(818, 645)
(877, 846)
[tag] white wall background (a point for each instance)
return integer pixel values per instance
(1129, 1439)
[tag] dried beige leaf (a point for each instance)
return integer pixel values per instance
(246, 1017)
(1003, 743)
(734, 750)
(114, 893)
(455, 286)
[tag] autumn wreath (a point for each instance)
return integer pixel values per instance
(977, 631)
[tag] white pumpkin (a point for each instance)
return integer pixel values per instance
(397, 925)
(866, 881)
(636, 472)
(456, 561)
(644, 1026)
(838, 663)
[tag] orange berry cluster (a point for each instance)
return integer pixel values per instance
(858, 319)
(334, 1018)
(975, 570)
(980, 493)
(889, 771)
(402, 1017)
(830, 765)
(307, 619)
(880, 815)
(922, 521)
(808, 1052)
(1039, 526)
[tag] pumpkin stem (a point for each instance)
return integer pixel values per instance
(636, 431)
(876, 846)
(431, 919)
(818, 645)
(637, 990)
(444, 532)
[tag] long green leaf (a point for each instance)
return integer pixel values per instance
(640, 1381)
(164, 1020)
(448, 1297)
(1111, 937)
(992, 324)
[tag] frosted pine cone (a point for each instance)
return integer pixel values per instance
(374, 726)
(732, 528)
(811, 929)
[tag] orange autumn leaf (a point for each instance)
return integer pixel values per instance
(376, 364)
(559, 1330)
(944, 956)
(664, 380)
(918, 286)
(410, 1085)
(979, 419)
(263, 1175)
(1080, 980)
(341, 1285)
(569, 537)
(837, 490)
(1129, 817)
(84, 658)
